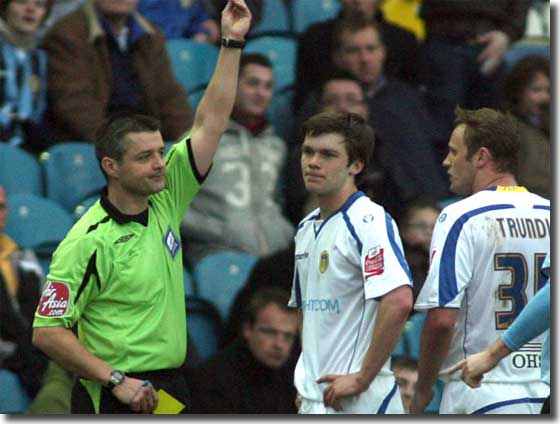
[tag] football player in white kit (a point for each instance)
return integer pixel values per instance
(351, 284)
(486, 253)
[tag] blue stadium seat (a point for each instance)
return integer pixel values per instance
(19, 171)
(83, 206)
(38, 224)
(281, 50)
(190, 286)
(13, 397)
(192, 62)
(519, 50)
(72, 173)
(307, 12)
(280, 113)
(195, 96)
(274, 18)
(220, 276)
(204, 326)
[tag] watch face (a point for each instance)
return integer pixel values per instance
(117, 377)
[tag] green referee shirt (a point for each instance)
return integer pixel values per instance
(120, 277)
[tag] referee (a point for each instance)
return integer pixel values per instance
(118, 274)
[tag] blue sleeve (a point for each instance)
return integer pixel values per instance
(532, 321)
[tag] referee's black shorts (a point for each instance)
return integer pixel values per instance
(171, 380)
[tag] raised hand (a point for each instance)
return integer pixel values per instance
(236, 20)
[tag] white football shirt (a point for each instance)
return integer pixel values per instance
(486, 254)
(343, 266)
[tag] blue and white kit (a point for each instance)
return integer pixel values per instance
(486, 254)
(343, 266)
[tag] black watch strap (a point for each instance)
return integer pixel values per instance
(231, 43)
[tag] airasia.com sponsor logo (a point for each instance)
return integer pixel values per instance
(54, 301)
(374, 264)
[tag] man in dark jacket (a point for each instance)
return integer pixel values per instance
(254, 375)
(105, 58)
(316, 45)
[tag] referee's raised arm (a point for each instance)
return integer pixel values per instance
(213, 112)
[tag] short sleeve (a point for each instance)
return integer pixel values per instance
(383, 264)
(72, 283)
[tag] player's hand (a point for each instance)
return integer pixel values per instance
(421, 400)
(140, 395)
(473, 368)
(493, 54)
(297, 401)
(236, 20)
(341, 386)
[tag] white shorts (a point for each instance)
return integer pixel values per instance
(382, 397)
(493, 398)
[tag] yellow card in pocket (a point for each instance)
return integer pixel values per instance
(168, 404)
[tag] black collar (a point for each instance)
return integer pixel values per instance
(121, 218)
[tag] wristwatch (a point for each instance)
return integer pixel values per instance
(230, 42)
(117, 377)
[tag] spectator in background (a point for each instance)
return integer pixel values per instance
(59, 9)
(416, 225)
(462, 58)
(21, 280)
(253, 375)
(238, 206)
(527, 96)
(24, 73)
(406, 374)
(317, 44)
(181, 19)
(106, 58)
(404, 129)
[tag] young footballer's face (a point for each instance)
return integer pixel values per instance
(25, 16)
(324, 165)
(141, 171)
(271, 336)
(254, 90)
(460, 168)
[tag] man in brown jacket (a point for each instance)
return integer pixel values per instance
(105, 58)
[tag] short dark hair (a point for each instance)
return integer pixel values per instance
(497, 131)
(414, 206)
(359, 138)
(111, 137)
(254, 59)
(353, 24)
(520, 76)
(264, 297)
(337, 74)
(406, 362)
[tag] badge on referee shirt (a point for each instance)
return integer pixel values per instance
(324, 262)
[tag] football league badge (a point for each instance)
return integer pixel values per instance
(324, 262)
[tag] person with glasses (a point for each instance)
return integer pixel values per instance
(253, 375)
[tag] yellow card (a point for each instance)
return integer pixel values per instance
(168, 404)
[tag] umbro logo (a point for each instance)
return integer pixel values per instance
(124, 239)
(171, 242)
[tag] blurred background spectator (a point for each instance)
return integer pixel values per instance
(416, 224)
(24, 73)
(527, 95)
(21, 280)
(317, 43)
(181, 19)
(238, 205)
(406, 374)
(105, 58)
(253, 375)
(462, 58)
